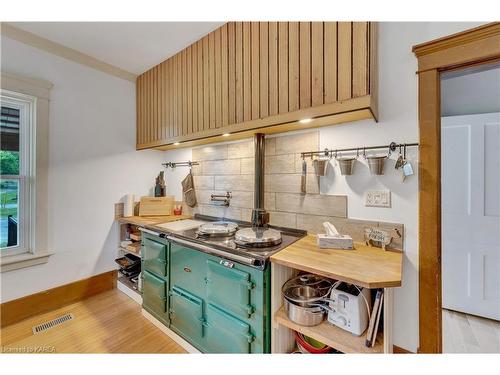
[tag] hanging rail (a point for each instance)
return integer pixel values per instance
(180, 164)
(393, 146)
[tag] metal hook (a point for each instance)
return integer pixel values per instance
(404, 151)
(357, 153)
(364, 152)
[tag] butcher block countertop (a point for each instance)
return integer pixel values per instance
(151, 220)
(366, 266)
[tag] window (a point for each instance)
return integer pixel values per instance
(17, 166)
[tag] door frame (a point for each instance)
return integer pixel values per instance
(479, 45)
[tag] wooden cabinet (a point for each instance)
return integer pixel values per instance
(246, 76)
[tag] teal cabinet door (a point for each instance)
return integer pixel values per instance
(226, 333)
(154, 296)
(229, 288)
(188, 269)
(154, 256)
(186, 315)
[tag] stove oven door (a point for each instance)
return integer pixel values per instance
(229, 288)
(225, 333)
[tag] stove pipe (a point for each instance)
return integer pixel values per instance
(260, 217)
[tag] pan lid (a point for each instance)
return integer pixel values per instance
(218, 228)
(258, 237)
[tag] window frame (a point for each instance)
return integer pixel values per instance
(27, 105)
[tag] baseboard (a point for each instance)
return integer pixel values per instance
(174, 336)
(19, 309)
(398, 350)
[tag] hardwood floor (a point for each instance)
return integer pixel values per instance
(463, 333)
(106, 323)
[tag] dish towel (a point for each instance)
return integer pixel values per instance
(188, 190)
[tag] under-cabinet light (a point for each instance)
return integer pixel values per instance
(305, 120)
(226, 134)
(176, 143)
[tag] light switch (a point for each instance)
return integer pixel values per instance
(378, 198)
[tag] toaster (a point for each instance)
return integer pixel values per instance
(348, 309)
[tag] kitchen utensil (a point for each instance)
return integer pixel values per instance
(303, 177)
(304, 316)
(400, 160)
(376, 164)
(310, 346)
(307, 289)
(406, 167)
(346, 165)
(156, 206)
(188, 190)
(320, 166)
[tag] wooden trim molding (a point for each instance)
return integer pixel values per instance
(468, 46)
(51, 299)
(63, 51)
(462, 49)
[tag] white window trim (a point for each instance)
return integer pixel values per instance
(40, 89)
(27, 171)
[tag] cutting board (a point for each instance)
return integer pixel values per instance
(181, 225)
(156, 206)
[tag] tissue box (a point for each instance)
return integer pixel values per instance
(341, 241)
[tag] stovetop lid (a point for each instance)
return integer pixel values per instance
(258, 236)
(218, 227)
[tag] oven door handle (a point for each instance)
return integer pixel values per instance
(211, 250)
(148, 231)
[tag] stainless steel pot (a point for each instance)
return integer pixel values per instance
(346, 166)
(376, 164)
(320, 166)
(304, 316)
(305, 290)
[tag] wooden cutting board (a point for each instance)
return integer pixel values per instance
(156, 206)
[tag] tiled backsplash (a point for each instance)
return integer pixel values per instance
(230, 167)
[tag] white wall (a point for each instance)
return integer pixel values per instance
(398, 122)
(92, 164)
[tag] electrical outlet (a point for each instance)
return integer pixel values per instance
(378, 198)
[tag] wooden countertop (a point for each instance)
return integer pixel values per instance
(366, 266)
(151, 220)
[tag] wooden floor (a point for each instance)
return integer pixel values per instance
(107, 323)
(463, 333)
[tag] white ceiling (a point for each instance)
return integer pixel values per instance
(132, 46)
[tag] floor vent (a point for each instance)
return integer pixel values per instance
(51, 323)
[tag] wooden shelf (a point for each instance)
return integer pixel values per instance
(133, 248)
(333, 336)
(151, 220)
(365, 266)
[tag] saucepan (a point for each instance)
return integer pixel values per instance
(306, 299)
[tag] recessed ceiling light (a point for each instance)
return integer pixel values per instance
(176, 143)
(305, 120)
(226, 134)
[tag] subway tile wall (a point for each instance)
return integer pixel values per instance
(230, 167)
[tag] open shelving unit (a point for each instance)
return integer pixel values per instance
(332, 336)
(366, 266)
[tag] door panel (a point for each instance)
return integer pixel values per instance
(154, 257)
(225, 333)
(186, 314)
(470, 165)
(154, 295)
(187, 269)
(229, 288)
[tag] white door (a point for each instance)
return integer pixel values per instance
(470, 207)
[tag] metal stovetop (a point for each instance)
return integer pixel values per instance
(226, 245)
